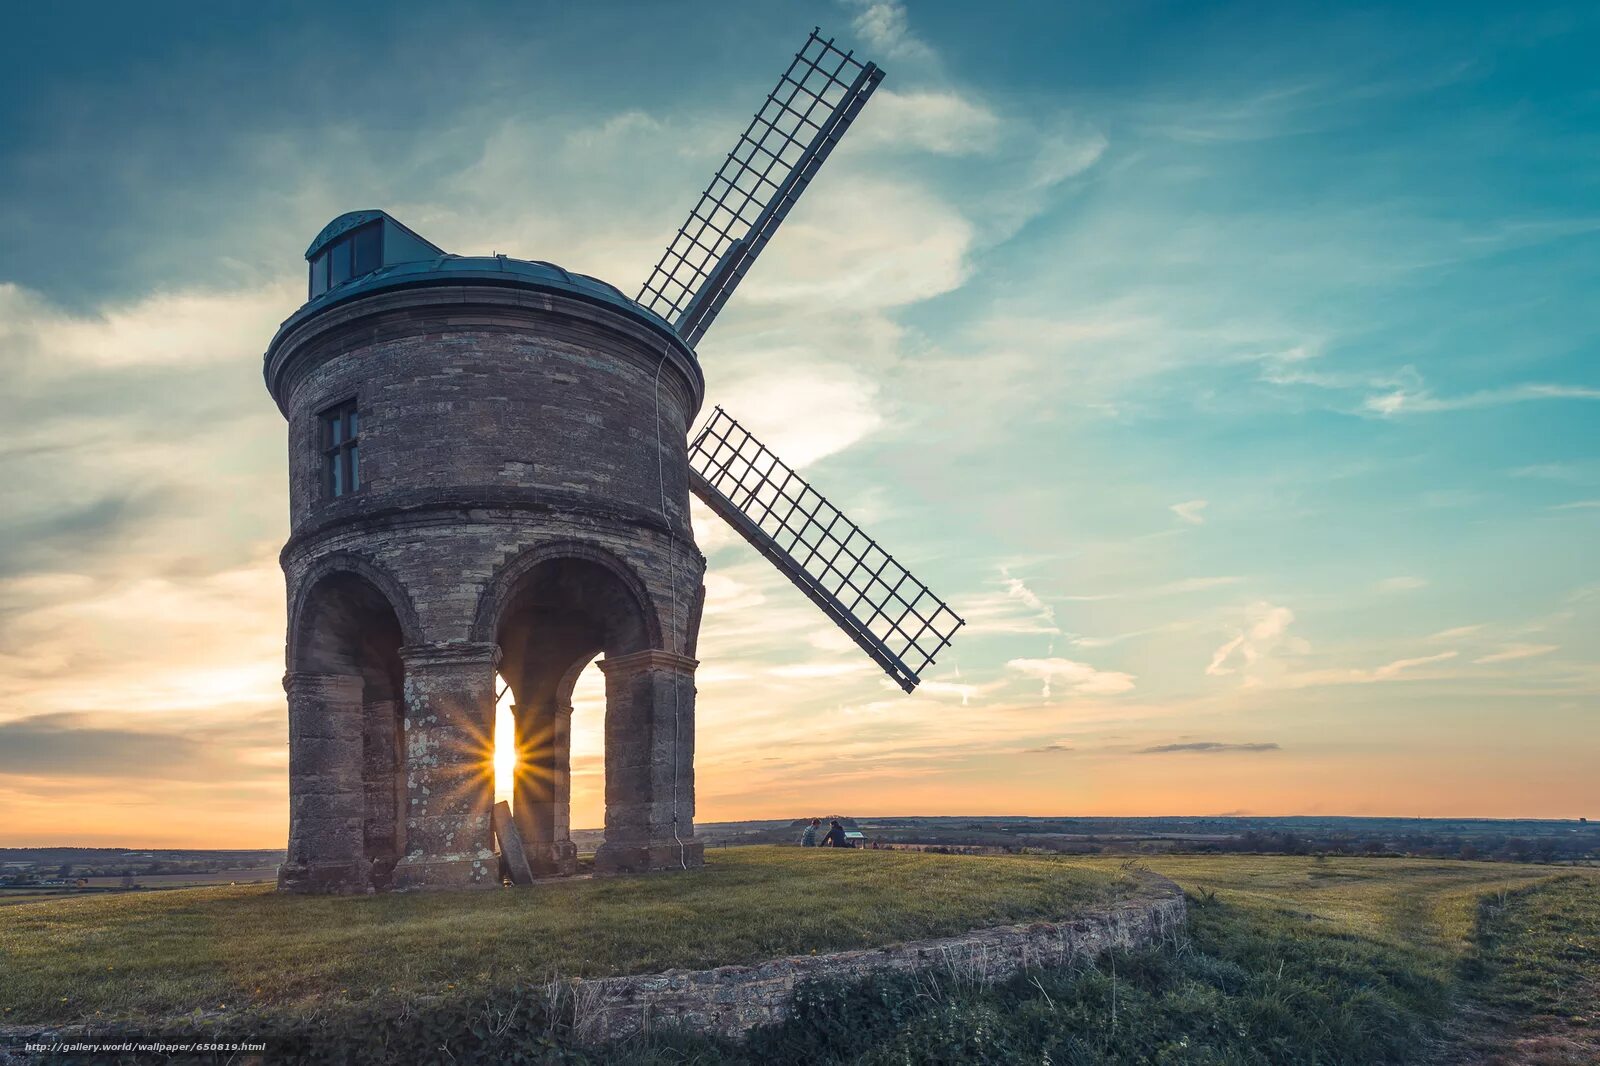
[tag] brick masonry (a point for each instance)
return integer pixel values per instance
(523, 508)
(731, 1000)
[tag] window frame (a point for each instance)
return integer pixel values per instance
(321, 264)
(339, 449)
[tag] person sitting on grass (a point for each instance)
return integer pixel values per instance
(835, 837)
(808, 839)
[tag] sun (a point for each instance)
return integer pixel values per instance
(505, 746)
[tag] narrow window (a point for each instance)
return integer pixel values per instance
(339, 262)
(366, 251)
(341, 454)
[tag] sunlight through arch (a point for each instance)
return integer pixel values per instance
(505, 743)
(588, 774)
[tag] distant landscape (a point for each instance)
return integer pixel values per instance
(29, 873)
(1500, 840)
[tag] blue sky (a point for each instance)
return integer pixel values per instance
(1230, 367)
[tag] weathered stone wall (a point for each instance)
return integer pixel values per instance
(492, 420)
(731, 1000)
(469, 388)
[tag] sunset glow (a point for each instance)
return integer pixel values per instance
(1236, 386)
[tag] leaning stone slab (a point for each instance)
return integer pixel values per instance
(511, 845)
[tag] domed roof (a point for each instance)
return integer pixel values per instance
(422, 263)
(481, 269)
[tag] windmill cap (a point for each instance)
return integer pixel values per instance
(352, 219)
(406, 260)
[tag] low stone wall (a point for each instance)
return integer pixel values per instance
(730, 1000)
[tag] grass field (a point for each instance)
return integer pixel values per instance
(1287, 960)
(134, 954)
(1533, 982)
(1424, 905)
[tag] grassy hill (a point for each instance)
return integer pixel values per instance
(230, 948)
(1286, 960)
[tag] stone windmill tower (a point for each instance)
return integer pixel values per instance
(490, 469)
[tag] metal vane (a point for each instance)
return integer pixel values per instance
(776, 157)
(880, 604)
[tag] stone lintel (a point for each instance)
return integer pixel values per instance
(451, 653)
(335, 688)
(649, 659)
(543, 711)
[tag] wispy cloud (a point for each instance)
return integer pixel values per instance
(1513, 652)
(885, 26)
(1207, 747)
(1402, 583)
(1398, 669)
(943, 122)
(1169, 588)
(1018, 590)
(1267, 630)
(1014, 608)
(1077, 677)
(1401, 402)
(1399, 666)
(1191, 511)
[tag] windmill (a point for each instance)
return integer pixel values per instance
(440, 537)
(884, 608)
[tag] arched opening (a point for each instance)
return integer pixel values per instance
(589, 757)
(562, 613)
(348, 735)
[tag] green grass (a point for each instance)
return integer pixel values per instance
(1423, 905)
(1285, 960)
(1535, 974)
(1288, 960)
(140, 955)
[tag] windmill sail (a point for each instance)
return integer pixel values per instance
(875, 600)
(794, 131)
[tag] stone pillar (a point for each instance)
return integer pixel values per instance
(449, 742)
(542, 805)
(649, 763)
(327, 800)
(384, 778)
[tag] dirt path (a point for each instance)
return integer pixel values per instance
(1482, 1038)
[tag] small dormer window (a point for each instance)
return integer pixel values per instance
(341, 449)
(358, 243)
(347, 256)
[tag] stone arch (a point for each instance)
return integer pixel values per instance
(511, 576)
(346, 730)
(551, 610)
(374, 573)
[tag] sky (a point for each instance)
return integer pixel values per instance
(1230, 368)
